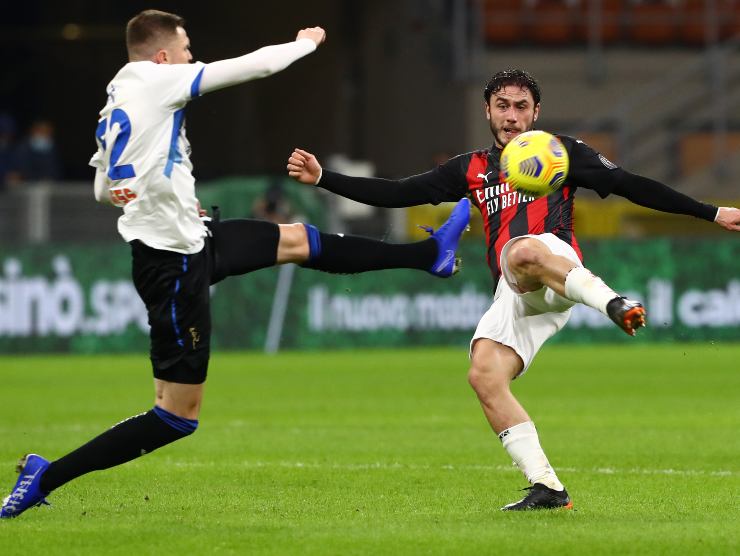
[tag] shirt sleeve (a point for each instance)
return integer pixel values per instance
(255, 65)
(443, 183)
(590, 169)
(657, 196)
(176, 84)
(594, 171)
(101, 187)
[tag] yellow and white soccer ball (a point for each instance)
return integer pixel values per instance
(535, 163)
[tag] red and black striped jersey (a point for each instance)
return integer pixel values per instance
(507, 213)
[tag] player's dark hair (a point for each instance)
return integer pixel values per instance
(517, 77)
(146, 29)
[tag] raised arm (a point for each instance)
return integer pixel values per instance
(430, 187)
(655, 195)
(592, 170)
(260, 63)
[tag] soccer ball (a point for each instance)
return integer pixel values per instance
(535, 163)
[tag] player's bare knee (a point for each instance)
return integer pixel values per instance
(484, 378)
(476, 377)
(292, 236)
(293, 246)
(524, 258)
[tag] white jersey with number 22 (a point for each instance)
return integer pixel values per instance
(143, 158)
(143, 155)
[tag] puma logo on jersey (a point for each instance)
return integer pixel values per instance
(484, 176)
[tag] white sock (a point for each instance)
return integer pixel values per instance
(523, 445)
(584, 287)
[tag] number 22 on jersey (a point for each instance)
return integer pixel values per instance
(119, 196)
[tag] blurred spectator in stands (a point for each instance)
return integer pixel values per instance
(7, 149)
(37, 155)
(273, 205)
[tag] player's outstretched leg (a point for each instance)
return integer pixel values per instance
(129, 439)
(27, 491)
(245, 245)
(583, 286)
(342, 254)
(534, 265)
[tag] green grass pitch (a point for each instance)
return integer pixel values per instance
(387, 452)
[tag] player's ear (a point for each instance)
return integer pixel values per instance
(488, 110)
(161, 57)
(536, 111)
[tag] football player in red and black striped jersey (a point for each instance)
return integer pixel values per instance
(531, 244)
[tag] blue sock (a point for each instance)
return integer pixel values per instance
(181, 424)
(314, 242)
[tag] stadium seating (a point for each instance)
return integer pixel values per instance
(628, 22)
(612, 19)
(697, 150)
(653, 22)
(504, 23)
(560, 20)
(603, 142)
(693, 25)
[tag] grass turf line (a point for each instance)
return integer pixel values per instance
(387, 452)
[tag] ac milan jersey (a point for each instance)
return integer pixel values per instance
(507, 213)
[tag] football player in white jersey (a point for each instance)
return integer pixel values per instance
(142, 165)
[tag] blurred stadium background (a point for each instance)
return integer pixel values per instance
(654, 85)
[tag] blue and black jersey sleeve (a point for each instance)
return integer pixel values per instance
(592, 170)
(446, 182)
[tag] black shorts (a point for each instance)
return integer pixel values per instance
(175, 290)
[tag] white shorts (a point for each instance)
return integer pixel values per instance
(524, 321)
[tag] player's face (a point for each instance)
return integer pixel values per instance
(178, 50)
(511, 111)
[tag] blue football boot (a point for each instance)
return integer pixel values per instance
(447, 238)
(27, 490)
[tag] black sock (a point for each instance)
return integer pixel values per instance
(128, 440)
(342, 254)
